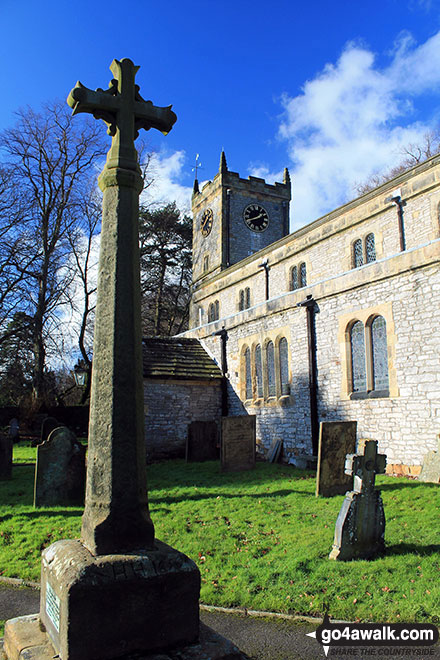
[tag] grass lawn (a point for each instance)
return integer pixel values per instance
(261, 540)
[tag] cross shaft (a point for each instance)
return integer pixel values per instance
(116, 517)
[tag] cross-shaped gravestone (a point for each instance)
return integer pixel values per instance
(360, 526)
(364, 467)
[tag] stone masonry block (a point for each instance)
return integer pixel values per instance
(112, 605)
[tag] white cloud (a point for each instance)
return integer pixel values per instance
(167, 170)
(350, 121)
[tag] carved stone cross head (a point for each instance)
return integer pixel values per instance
(124, 111)
(365, 467)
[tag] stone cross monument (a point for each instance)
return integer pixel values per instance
(117, 590)
(360, 526)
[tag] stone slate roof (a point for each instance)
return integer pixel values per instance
(177, 359)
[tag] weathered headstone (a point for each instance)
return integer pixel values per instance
(60, 470)
(118, 591)
(336, 440)
(431, 467)
(47, 426)
(360, 526)
(14, 429)
(238, 443)
(5, 457)
(202, 442)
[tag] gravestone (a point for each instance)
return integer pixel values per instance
(118, 592)
(238, 442)
(202, 442)
(14, 429)
(431, 467)
(5, 457)
(360, 526)
(336, 440)
(48, 424)
(60, 470)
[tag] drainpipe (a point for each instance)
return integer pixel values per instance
(310, 306)
(265, 264)
(224, 367)
(397, 200)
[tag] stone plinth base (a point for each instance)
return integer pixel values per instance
(24, 640)
(109, 606)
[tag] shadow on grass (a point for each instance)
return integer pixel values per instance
(409, 484)
(214, 496)
(412, 549)
(44, 513)
(208, 474)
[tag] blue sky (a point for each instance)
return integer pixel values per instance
(328, 89)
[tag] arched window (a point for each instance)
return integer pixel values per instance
(358, 367)
(379, 353)
(241, 300)
(284, 366)
(205, 263)
(270, 364)
(259, 371)
(294, 278)
(213, 312)
(248, 373)
(370, 248)
(302, 275)
(247, 297)
(358, 254)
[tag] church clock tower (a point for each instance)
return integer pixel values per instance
(234, 217)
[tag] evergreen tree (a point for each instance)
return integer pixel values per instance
(166, 246)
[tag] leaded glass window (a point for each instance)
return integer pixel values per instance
(217, 310)
(379, 353)
(358, 256)
(294, 279)
(248, 373)
(247, 299)
(241, 300)
(302, 275)
(358, 368)
(211, 313)
(284, 366)
(259, 371)
(370, 248)
(270, 360)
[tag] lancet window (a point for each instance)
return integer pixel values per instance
(369, 358)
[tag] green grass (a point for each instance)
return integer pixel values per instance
(261, 540)
(22, 452)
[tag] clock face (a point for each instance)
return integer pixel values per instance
(206, 221)
(256, 217)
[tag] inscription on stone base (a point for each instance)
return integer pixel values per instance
(53, 607)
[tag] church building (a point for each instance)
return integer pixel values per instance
(339, 320)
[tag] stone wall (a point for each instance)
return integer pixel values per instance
(170, 406)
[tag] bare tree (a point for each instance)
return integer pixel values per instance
(48, 167)
(413, 154)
